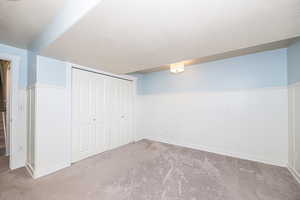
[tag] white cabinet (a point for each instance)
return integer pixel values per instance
(102, 109)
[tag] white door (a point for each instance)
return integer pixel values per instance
(101, 113)
(114, 115)
(126, 102)
(120, 110)
(88, 114)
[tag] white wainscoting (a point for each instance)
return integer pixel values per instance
(49, 131)
(19, 140)
(294, 129)
(31, 129)
(250, 124)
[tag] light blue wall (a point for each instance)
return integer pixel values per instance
(37, 69)
(265, 69)
(259, 70)
(45, 70)
(22, 53)
(293, 60)
(32, 59)
(50, 71)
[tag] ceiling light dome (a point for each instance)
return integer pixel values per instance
(177, 68)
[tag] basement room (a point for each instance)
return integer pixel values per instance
(149, 100)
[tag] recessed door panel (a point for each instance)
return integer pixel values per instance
(84, 132)
(99, 113)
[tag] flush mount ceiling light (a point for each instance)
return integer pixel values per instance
(177, 68)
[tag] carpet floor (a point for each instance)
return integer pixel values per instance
(148, 170)
(4, 164)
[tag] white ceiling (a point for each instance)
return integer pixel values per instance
(230, 54)
(123, 36)
(22, 20)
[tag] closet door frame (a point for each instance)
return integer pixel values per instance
(124, 77)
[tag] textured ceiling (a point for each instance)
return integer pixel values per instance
(123, 36)
(22, 20)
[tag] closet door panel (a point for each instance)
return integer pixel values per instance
(125, 135)
(129, 111)
(92, 110)
(119, 116)
(84, 129)
(115, 113)
(110, 105)
(84, 141)
(81, 126)
(99, 113)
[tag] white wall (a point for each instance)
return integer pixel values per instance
(250, 124)
(294, 129)
(236, 106)
(18, 144)
(52, 147)
(293, 61)
(49, 127)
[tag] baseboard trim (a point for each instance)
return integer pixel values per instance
(222, 152)
(30, 169)
(295, 174)
(39, 172)
(292, 85)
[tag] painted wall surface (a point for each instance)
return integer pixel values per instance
(70, 14)
(51, 140)
(293, 59)
(232, 106)
(52, 147)
(50, 71)
(294, 129)
(293, 65)
(23, 62)
(19, 140)
(32, 66)
(265, 69)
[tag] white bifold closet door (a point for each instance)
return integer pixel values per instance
(119, 103)
(101, 113)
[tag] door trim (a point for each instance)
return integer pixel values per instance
(14, 106)
(124, 77)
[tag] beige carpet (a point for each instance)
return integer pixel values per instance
(155, 171)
